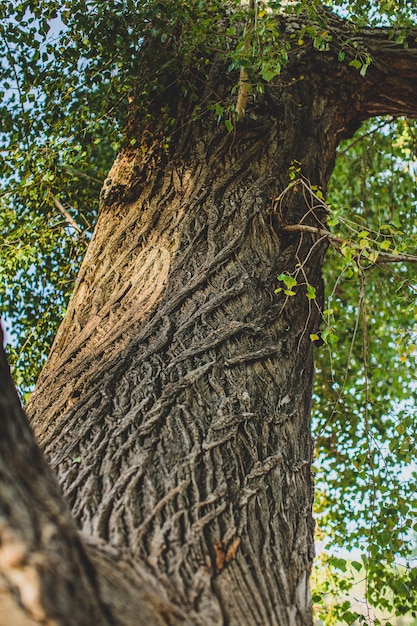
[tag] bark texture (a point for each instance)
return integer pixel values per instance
(49, 574)
(195, 377)
(40, 555)
(175, 405)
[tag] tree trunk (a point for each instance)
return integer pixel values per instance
(175, 405)
(49, 574)
(177, 415)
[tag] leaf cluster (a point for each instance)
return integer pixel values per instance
(365, 402)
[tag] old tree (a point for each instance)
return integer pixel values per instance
(175, 404)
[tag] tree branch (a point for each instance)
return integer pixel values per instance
(47, 573)
(384, 257)
(388, 85)
(58, 204)
(360, 138)
(390, 81)
(243, 92)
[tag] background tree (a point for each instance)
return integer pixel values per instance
(176, 400)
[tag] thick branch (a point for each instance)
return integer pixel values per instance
(393, 75)
(390, 83)
(389, 86)
(47, 574)
(44, 570)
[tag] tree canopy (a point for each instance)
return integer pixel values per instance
(68, 73)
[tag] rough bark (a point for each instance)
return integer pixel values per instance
(40, 555)
(49, 574)
(175, 405)
(196, 451)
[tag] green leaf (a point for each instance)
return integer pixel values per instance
(372, 256)
(289, 281)
(329, 337)
(384, 245)
(347, 252)
(356, 64)
(311, 292)
(269, 74)
(229, 125)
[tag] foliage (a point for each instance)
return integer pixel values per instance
(67, 71)
(365, 402)
(56, 150)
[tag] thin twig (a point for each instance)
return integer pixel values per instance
(243, 91)
(84, 175)
(370, 132)
(10, 58)
(68, 217)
